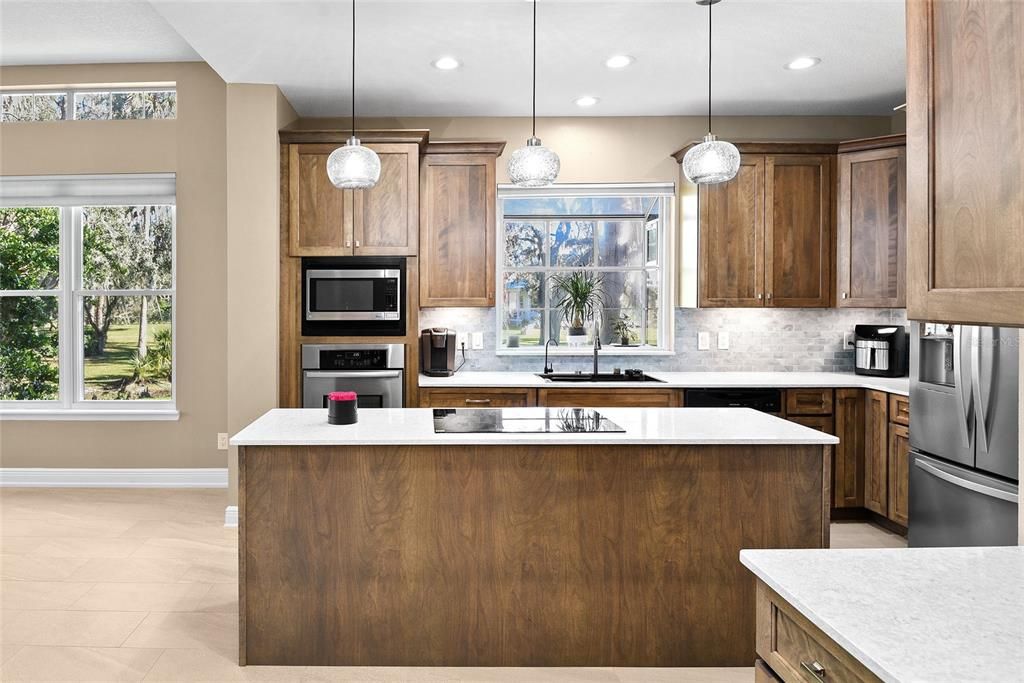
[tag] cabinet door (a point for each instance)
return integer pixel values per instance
(511, 397)
(386, 217)
(731, 268)
(871, 229)
(899, 472)
(965, 169)
(848, 465)
(457, 231)
(798, 231)
(319, 214)
(876, 452)
(608, 398)
(808, 401)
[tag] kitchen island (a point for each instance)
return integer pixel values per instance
(385, 543)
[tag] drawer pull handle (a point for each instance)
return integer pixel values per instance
(815, 669)
(478, 401)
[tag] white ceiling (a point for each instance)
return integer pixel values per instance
(304, 47)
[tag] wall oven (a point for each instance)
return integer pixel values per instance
(353, 295)
(376, 372)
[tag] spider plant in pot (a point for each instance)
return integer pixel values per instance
(581, 297)
(623, 328)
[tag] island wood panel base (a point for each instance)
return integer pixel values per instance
(528, 555)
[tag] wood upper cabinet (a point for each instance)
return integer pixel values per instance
(899, 473)
(848, 463)
(326, 221)
(876, 452)
(798, 231)
(457, 230)
(871, 224)
(965, 169)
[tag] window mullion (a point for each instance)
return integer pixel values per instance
(65, 309)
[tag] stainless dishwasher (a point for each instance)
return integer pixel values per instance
(376, 372)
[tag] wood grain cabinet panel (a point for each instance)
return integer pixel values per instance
(965, 170)
(731, 252)
(876, 452)
(608, 398)
(899, 473)
(457, 231)
(502, 397)
(848, 464)
(320, 218)
(386, 217)
(899, 409)
(871, 228)
(798, 230)
(808, 401)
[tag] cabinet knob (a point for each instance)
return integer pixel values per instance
(357, 243)
(759, 295)
(348, 243)
(769, 295)
(844, 295)
(815, 669)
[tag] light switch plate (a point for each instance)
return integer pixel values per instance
(703, 341)
(723, 340)
(478, 340)
(222, 441)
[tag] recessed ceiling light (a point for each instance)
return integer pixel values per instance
(801, 63)
(586, 101)
(618, 61)
(447, 63)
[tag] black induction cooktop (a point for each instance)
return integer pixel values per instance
(521, 421)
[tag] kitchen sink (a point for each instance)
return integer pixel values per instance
(599, 377)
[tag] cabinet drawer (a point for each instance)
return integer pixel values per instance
(899, 409)
(477, 398)
(797, 650)
(808, 401)
(608, 398)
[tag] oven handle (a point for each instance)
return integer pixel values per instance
(359, 374)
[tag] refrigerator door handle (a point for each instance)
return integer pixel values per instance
(977, 395)
(963, 404)
(965, 484)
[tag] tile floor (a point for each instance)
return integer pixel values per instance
(140, 585)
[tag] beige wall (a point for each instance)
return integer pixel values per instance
(254, 115)
(193, 147)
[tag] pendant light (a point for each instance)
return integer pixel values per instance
(534, 165)
(353, 167)
(713, 160)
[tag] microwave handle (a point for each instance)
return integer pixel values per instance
(358, 374)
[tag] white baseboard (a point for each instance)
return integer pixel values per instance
(148, 477)
(231, 515)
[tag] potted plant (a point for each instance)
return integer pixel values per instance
(623, 328)
(581, 297)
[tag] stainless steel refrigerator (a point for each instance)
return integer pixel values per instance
(963, 435)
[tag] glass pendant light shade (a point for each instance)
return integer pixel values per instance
(534, 165)
(712, 161)
(353, 167)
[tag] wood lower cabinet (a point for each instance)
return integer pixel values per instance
(899, 473)
(871, 240)
(823, 423)
(457, 232)
(609, 398)
(808, 401)
(876, 451)
(899, 409)
(510, 397)
(848, 463)
(965, 170)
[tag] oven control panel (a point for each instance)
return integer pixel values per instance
(364, 359)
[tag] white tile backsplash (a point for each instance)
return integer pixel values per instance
(794, 339)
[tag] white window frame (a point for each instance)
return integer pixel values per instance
(69, 94)
(70, 194)
(666, 319)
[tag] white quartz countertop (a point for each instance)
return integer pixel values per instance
(415, 426)
(910, 614)
(682, 380)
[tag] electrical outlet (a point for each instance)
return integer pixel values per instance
(478, 341)
(222, 441)
(848, 340)
(723, 340)
(461, 341)
(703, 341)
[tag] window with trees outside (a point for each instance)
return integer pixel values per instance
(87, 294)
(615, 234)
(93, 104)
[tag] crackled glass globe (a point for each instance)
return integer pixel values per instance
(534, 165)
(353, 167)
(712, 161)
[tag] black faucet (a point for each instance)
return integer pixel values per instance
(597, 344)
(548, 368)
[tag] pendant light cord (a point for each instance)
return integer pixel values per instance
(710, 6)
(534, 68)
(353, 68)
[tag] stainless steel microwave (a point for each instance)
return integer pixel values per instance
(353, 295)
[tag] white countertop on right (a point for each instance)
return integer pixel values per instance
(910, 614)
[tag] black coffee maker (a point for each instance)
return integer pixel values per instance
(437, 352)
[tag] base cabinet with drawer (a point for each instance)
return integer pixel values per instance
(464, 397)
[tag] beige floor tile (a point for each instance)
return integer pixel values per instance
(26, 568)
(144, 597)
(62, 627)
(861, 535)
(131, 570)
(87, 547)
(207, 630)
(8, 651)
(78, 525)
(189, 666)
(185, 549)
(222, 597)
(214, 570)
(20, 545)
(200, 531)
(688, 675)
(41, 594)
(34, 663)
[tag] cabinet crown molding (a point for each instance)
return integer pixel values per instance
(880, 142)
(293, 135)
(808, 147)
(493, 147)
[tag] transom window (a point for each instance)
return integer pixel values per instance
(89, 104)
(87, 293)
(615, 233)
